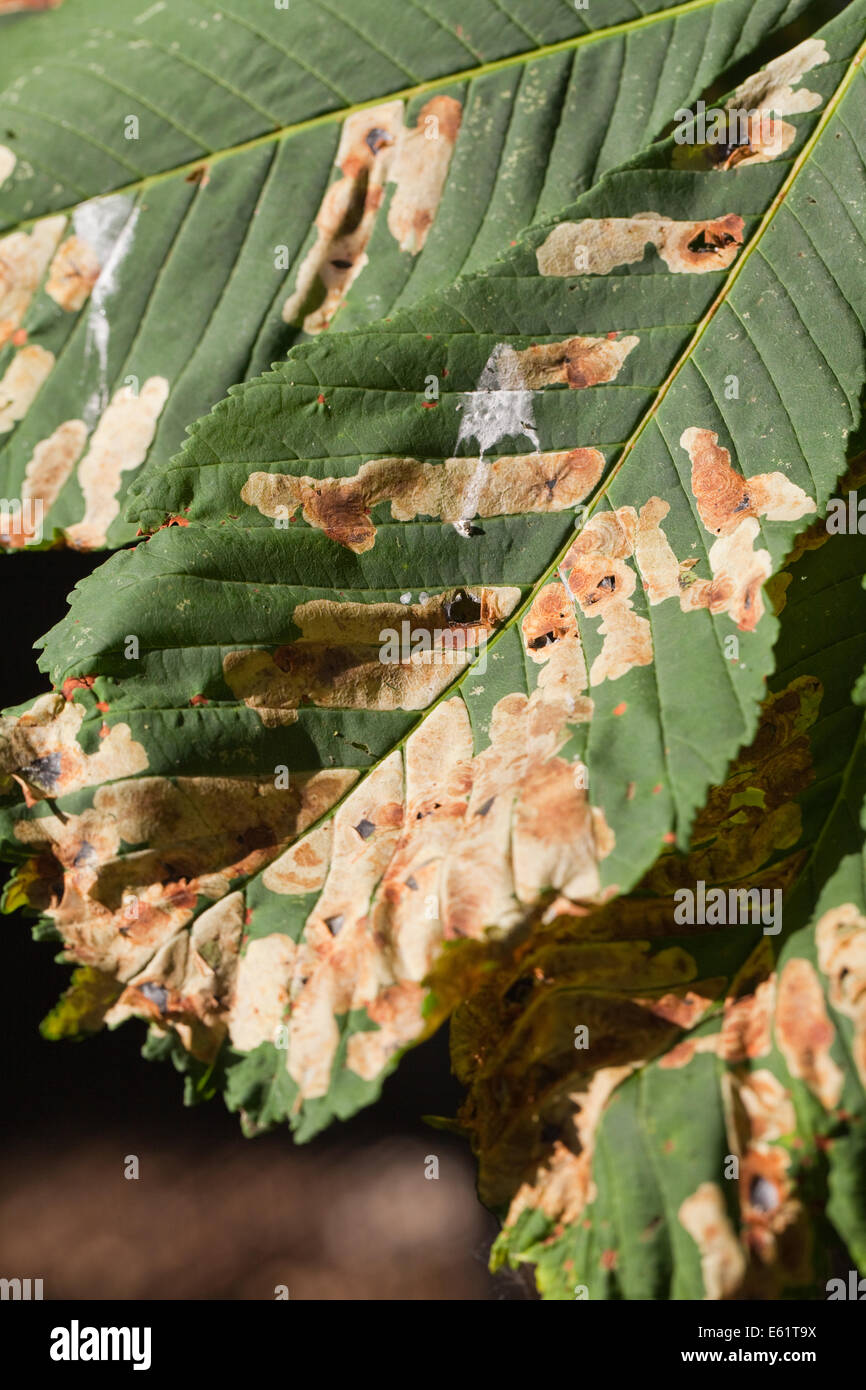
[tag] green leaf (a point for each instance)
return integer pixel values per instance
(707, 1138)
(181, 184)
(468, 793)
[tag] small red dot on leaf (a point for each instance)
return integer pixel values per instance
(19, 337)
(670, 838)
(102, 706)
(621, 708)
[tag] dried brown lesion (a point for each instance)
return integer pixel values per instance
(127, 911)
(73, 272)
(840, 938)
(603, 583)
(21, 382)
(419, 172)
(40, 750)
(445, 842)
(119, 443)
(805, 1032)
(24, 259)
(577, 362)
(596, 246)
(375, 148)
(456, 489)
(729, 506)
(341, 659)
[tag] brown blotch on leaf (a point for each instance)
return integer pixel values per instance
(805, 1032)
(341, 507)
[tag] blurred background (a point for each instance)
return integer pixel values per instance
(211, 1215)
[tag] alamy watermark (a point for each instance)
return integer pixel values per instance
(438, 646)
(718, 907)
(731, 127)
(20, 520)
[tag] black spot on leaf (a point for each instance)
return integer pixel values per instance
(377, 138)
(463, 608)
(43, 772)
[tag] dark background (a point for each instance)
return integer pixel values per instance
(212, 1215)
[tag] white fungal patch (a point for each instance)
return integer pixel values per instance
(107, 227)
(500, 408)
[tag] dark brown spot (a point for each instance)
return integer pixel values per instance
(463, 608)
(377, 138)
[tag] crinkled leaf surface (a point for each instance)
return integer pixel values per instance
(196, 188)
(670, 1111)
(462, 789)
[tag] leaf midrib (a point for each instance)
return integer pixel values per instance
(342, 113)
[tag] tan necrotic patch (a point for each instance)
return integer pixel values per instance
(119, 443)
(191, 979)
(439, 843)
(772, 90)
(21, 383)
(375, 147)
(72, 274)
(8, 160)
(342, 660)
(261, 1000)
(40, 749)
(563, 1185)
(419, 171)
(805, 1032)
(457, 489)
(575, 362)
(52, 462)
(24, 258)
(723, 1261)
(728, 505)
(603, 583)
(598, 246)
(840, 937)
(117, 906)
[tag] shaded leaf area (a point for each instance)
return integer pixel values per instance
(265, 190)
(264, 825)
(676, 1111)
